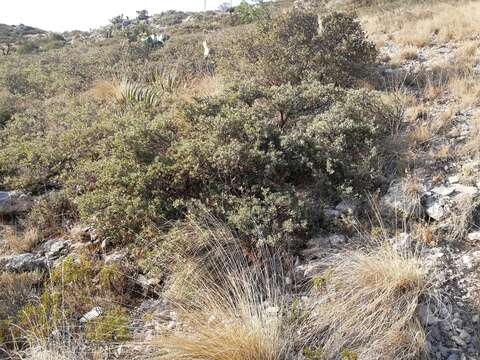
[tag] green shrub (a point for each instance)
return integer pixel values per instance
(27, 47)
(264, 178)
(290, 48)
(8, 107)
(344, 54)
(249, 13)
(52, 215)
(111, 326)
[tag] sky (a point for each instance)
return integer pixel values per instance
(63, 15)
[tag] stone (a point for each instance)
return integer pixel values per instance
(147, 283)
(464, 335)
(337, 239)
(105, 243)
(402, 242)
(23, 263)
(436, 211)
(172, 325)
(12, 202)
(399, 202)
(54, 248)
(453, 179)
(332, 214)
(459, 341)
(426, 316)
(92, 314)
(310, 269)
(115, 257)
(444, 190)
(435, 333)
(474, 236)
(464, 189)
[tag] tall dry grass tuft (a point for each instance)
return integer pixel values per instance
(472, 146)
(424, 23)
(370, 307)
(237, 307)
(16, 241)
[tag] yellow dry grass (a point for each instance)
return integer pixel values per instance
(372, 304)
(19, 242)
(422, 24)
(208, 85)
(233, 309)
(105, 91)
(472, 146)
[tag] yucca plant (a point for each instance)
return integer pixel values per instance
(129, 92)
(168, 80)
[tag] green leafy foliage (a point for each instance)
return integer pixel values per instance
(289, 48)
(249, 13)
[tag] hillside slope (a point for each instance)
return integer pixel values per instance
(275, 181)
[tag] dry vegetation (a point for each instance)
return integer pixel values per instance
(424, 23)
(372, 307)
(233, 309)
(365, 305)
(258, 145)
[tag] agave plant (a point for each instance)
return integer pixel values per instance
(130, 92)
(168, 80)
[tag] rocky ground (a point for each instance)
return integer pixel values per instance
(436, 203)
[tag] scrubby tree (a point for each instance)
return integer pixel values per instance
(290, 48)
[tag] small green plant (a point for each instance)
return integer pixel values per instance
(312, 354)
(111, 326)
(348, 355)
(249, 13)
(297, 312)
(321, 281)
(40, 320)
(27, 47)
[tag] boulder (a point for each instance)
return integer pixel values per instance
(12, 202)
(437, 208)
(399, 201)
(23, 263)
(115, 257)
(55, 248)
(96, 312)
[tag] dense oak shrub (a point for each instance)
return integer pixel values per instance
(290, 47)
(263, 159)
(265, 156)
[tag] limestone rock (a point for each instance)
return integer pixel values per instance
(12, 202)
(23, 263)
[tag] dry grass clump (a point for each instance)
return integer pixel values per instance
(371, 307)
(208, 85)
(105, 90)
(125, 92)
(237, 308)
(472, 146)
(424, 23)
(405, 54)
(421, 134)
(466, 89)
(15, 291)
(17, 241)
